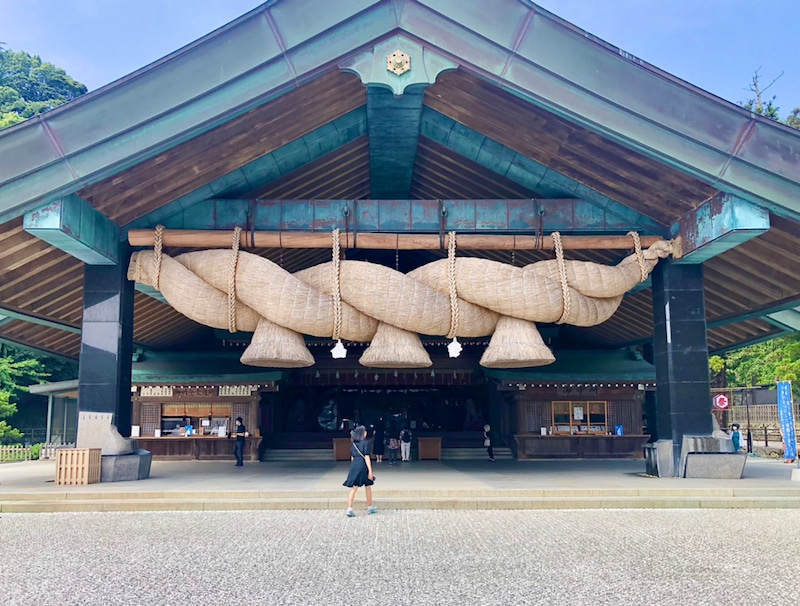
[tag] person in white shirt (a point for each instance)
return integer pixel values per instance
(405, 444)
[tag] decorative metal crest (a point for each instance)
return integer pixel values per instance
(398, 62)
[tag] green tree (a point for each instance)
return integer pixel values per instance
(767, 108)
(30, 86)
(20, 368)
(762, 363)
(15, 376)
(793, 119)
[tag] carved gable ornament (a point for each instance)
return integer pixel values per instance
(398, 62)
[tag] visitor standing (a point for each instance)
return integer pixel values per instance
(394, 447)
(487, 442)
(360, 473)
(238, 447)
(379, 441)
(736, 437)
(405, 443)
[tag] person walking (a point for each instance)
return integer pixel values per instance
(405, 443)
(360, 473)
(487, 441)
(238, 446)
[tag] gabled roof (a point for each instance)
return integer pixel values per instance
(287, 43)
(509, 103)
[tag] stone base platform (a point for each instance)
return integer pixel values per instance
(715, 465)
(121, 468)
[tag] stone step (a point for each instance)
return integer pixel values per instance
(475, 454)
(298, 454)
(389, 503)
(324, 454)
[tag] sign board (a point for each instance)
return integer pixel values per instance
(786, 418)
(237, 390)
(721, 401)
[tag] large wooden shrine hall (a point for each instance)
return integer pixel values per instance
(398, 213)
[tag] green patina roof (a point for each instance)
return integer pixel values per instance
(617, 365)
(285, 43)
(197, 368)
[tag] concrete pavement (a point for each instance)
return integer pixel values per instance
(402, 558)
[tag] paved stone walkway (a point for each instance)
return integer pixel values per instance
(398, 558)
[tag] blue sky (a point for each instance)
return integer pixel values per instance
(714, 44)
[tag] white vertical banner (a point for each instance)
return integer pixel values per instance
(786, 418)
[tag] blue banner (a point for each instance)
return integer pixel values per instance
(786, 417)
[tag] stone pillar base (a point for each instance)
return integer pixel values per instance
(659, 459)
(96, 431)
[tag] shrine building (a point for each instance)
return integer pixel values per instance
(397, 213)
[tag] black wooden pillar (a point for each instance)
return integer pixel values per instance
(104, 373)
(680, 353)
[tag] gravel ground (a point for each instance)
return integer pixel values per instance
(411, 557)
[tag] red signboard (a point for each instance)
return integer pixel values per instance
(721, 401)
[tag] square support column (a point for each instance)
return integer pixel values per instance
(680, 353)
(104, 374)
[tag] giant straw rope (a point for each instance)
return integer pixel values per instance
(364, 302)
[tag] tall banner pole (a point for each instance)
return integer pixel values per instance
(786, 418)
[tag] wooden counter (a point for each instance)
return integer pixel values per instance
(341, 449)
(537, 446)
(205, 448)
(429, 448)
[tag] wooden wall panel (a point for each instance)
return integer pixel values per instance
(155, 182)
(613, 170)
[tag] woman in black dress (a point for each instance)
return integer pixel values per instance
(379, 442)
(360, 470)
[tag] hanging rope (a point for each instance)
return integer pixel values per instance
(637, 244)
(336, 287)
(158, 245)
(237, 235)
(451, 281)
(562, 275)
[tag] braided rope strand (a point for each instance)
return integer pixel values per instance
(237, 235)
(336, 287)
(158, 246)
(451, 282)
(562, 274)
(637, 244)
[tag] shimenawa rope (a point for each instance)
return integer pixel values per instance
(336, 287)
(158, 246)
(237, 234)
(637, 244)
(451, 281)
(562, 275)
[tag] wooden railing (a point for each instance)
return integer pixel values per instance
(49, 450)
(760, 415)
(10, 454)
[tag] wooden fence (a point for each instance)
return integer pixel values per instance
(9, 454)
(761, 415)
(49, 450)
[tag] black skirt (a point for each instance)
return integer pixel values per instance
(358, 474)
